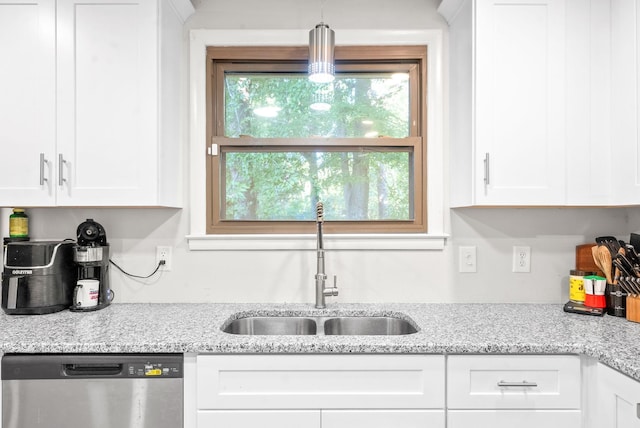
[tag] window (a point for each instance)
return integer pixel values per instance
(280, 143)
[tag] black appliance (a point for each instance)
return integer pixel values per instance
(91, 255)
(38, 277)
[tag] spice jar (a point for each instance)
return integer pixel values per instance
(18, 224)
(576, 285)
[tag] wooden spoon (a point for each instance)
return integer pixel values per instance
(604, 255)
(596, 257)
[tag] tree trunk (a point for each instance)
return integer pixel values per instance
(355, 171)
(312, 159)
(360, 191)
(251, 201)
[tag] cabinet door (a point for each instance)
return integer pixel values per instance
(513, 418)
(383, 418)
(618, 399)
(513, 382)
(320, 381)
(107, 102)
(625, 99)
(259, 418)
(519, 102)
(588, 109)
(27, 103)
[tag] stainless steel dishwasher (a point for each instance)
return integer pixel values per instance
(92, 390)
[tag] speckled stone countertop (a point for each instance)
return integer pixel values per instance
(443, 328)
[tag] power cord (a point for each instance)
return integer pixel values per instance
(160, 263)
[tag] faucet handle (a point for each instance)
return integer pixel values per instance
(332, 291)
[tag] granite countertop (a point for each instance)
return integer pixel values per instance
(444, 328)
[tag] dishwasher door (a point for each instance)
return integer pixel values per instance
(92, 391)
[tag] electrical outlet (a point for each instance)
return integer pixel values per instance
(521, 259)
(467, 260)
(164, 253)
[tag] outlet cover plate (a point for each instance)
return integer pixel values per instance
(521, 259)
(164, 253)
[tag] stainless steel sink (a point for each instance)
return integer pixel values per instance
(343, 325)
(272, 326)
(384, 326)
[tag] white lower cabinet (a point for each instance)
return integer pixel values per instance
(618, 400)
(381, 391)
(382, 418)
(259, 418)
(321, 418)
(328, 391)
(513, 418)
(514, 390)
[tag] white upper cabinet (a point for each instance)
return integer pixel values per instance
(107, 98)
(27, 103)
(603, 96)
(588, 105)
(625, 101)
(112, 135)
(507, 101)
(545, 102)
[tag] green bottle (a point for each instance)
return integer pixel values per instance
(18, 224)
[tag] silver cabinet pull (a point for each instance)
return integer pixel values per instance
(43, 161)
(61, 163)
(486, 169)
(504, 384)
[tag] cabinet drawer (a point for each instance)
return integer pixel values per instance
(259, 418)
(513, 418)
(320, 381)
(513, 381)
(383, 418)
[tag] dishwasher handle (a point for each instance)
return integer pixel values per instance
(88, 370)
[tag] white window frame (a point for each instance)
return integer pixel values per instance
(434, 239)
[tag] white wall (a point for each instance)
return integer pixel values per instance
(364, 276)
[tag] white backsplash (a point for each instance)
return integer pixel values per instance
(363, 276)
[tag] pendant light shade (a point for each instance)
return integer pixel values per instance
(321, 48)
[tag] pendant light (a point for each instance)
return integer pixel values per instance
(321, 47)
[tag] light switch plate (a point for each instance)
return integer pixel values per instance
(467, 259)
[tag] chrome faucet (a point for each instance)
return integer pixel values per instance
(321, 277)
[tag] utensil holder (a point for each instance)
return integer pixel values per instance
(633, 308)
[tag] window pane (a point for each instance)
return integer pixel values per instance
(285, 185)
(285, 105)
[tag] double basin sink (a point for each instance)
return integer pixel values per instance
(309, 325)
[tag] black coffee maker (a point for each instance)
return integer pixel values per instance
(91, 255)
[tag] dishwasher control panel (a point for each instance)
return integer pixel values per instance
(152, 369)
(85, 366)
